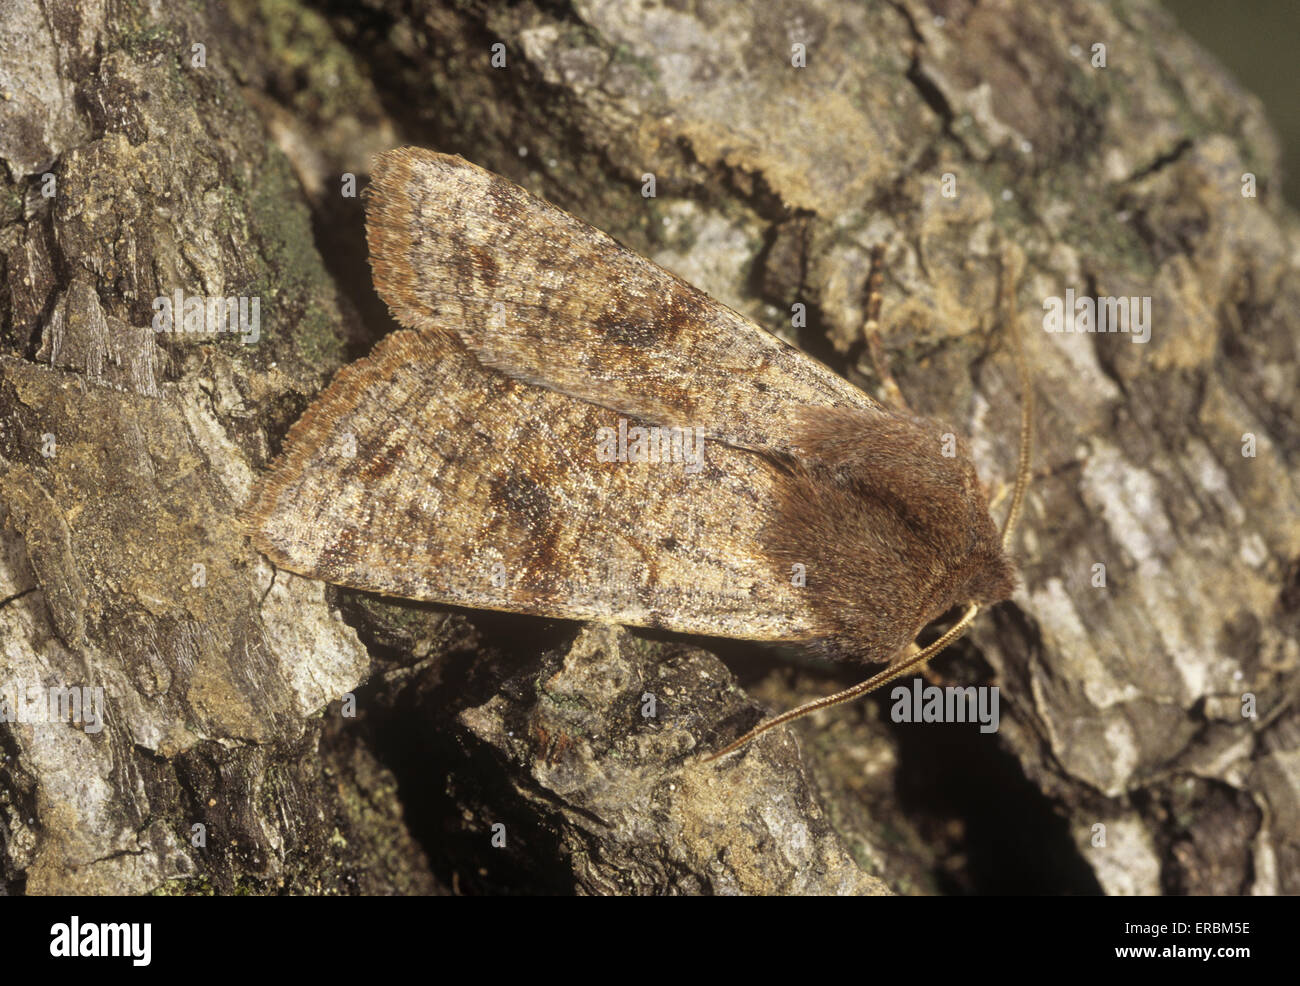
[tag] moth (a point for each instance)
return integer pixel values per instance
(480, 457)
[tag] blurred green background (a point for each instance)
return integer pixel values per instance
(1257, 40)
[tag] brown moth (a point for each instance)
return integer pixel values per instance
(467, 460)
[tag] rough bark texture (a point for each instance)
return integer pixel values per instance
(330, 742)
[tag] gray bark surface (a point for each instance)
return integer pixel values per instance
(265, 733)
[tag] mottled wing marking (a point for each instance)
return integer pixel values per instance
(461, 473)
(548, 299)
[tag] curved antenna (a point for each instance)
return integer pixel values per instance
(1006, 291)
(858, 690)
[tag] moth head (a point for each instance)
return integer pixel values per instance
(890, 518)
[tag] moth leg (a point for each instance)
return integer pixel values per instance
(925, 670)
(933, 677)
(871, 332)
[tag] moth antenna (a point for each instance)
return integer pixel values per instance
(875, 278)
(1007, 299)
(871, 330)
(1007, 289)
(856, 691)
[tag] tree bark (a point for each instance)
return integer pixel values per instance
(261, 732)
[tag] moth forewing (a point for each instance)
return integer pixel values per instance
(543, 297)
(420, 474)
